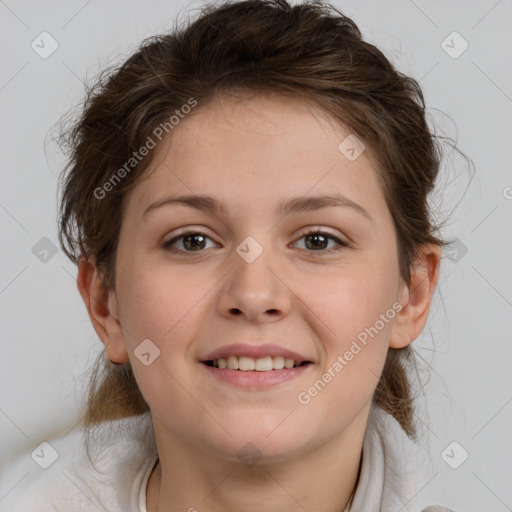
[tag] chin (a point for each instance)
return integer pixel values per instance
(267, 442)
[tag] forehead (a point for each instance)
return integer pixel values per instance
(257, 147)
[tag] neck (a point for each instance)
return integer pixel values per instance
(323, 478)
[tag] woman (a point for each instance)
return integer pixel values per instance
(247, 203)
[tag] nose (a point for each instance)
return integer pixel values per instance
(256, 290)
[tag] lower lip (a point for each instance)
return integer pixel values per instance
(257, 380)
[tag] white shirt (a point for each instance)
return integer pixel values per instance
(116, 483)
(393, 470)
(390, 471)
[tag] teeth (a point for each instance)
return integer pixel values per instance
(288, 363)
(246, 363)
(263, 364)
(278, 362)
(233, 363)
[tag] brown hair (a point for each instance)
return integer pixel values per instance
(311, 51)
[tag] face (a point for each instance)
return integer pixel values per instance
(258, 276)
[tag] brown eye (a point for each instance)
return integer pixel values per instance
(191, 241)
(319, 241)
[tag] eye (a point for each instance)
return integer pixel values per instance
(195, 241)
(190, 241)
(318, 241)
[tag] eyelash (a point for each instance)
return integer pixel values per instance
(341, 244)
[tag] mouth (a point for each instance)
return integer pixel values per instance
(262, 364)
(260, 374)
(255, 367)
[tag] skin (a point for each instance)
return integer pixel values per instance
(251, 153)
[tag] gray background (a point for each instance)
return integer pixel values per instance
(48, 343)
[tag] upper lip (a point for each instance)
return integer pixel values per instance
(255, 351)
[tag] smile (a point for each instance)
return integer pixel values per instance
(263, 364)
(256, 380)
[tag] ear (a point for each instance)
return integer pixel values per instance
(101, 305)
(415, 297)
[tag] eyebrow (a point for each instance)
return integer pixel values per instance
(293, 205)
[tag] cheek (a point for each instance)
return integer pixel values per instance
(163, 307)
(166, 306)
(355, 305)
(157, 301)
(352, 299)
(356, 309)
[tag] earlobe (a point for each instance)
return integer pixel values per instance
(416, 297)
(102, 308)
